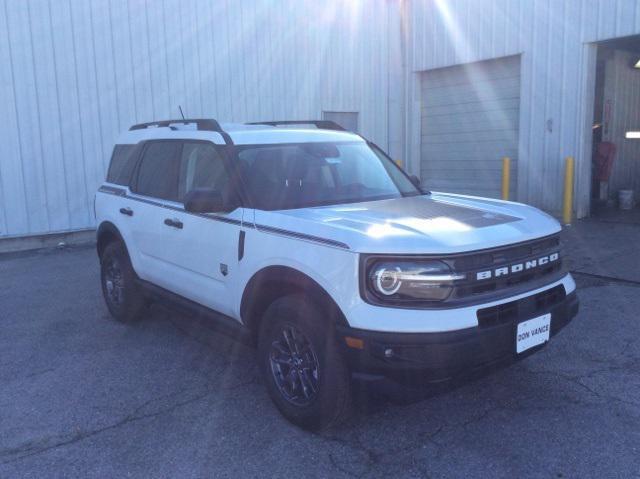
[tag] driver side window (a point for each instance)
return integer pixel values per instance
(201, 166)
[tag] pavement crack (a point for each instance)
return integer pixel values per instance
(374, 458)
(30, 449)
(578, 381)
(39, 373)
(370, 457)
(338, 466)
(608, 279)
(480, 417)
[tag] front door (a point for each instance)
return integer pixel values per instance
(201, 250)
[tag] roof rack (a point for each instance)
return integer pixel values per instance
(320, 124)
(205, 124)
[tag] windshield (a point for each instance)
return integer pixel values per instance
(299, 175)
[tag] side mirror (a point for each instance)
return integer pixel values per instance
(416, 181)
(204, 200)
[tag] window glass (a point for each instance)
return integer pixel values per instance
(159, 170)
(122, 164)
(200, 167)
(314, 174)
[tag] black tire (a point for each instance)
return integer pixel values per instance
(329, 402)
(123, 297)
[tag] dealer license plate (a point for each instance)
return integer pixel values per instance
(533, 332)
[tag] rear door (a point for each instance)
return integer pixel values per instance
(112, 203)
(154, 186)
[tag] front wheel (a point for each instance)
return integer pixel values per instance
(305, 373)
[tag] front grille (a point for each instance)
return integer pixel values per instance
(467, 289)
(529, 306)
(506, 254)
(491, 260)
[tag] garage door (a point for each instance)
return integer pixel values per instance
(469, 122)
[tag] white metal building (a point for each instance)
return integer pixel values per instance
(530, 67)
(447, 86)
(74, 74)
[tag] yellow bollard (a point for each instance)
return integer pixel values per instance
(506, 177)
(567, 204)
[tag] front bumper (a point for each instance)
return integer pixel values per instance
(433, 357)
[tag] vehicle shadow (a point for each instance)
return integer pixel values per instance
(369, 396)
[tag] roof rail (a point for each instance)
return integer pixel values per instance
(320, 124)
(205, 124)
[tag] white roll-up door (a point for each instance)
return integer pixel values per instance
(469, 122)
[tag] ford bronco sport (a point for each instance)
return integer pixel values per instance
(316, 245)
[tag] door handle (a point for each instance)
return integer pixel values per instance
(174, 223)
(126, 211)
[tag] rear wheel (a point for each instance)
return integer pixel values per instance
(305, 373)
(122, 295)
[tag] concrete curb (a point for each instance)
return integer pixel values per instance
(51, 240)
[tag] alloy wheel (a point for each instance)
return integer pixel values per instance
(114, 282)
(294, 366)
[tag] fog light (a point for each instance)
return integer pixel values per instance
(354, 343)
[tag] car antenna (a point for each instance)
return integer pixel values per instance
(181, 113)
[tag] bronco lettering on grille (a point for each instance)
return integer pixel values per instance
(517, 267)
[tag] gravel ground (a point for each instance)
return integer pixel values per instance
(81, 395)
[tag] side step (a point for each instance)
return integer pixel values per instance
(219, 322)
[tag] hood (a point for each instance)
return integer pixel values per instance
(437, 223)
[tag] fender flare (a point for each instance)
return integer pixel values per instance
(275, 281)
(106, 233)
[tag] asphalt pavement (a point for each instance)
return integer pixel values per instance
(84, 396)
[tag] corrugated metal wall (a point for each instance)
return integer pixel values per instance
(74, 73)
(557, 81)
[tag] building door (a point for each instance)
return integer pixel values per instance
(470, 120)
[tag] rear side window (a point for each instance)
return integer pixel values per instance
(158, 173)
(122, 164)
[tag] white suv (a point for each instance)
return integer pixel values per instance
(316, 245)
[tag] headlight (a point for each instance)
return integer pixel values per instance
(427, 280)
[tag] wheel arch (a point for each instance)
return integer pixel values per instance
(273, 282)
(106, 233)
